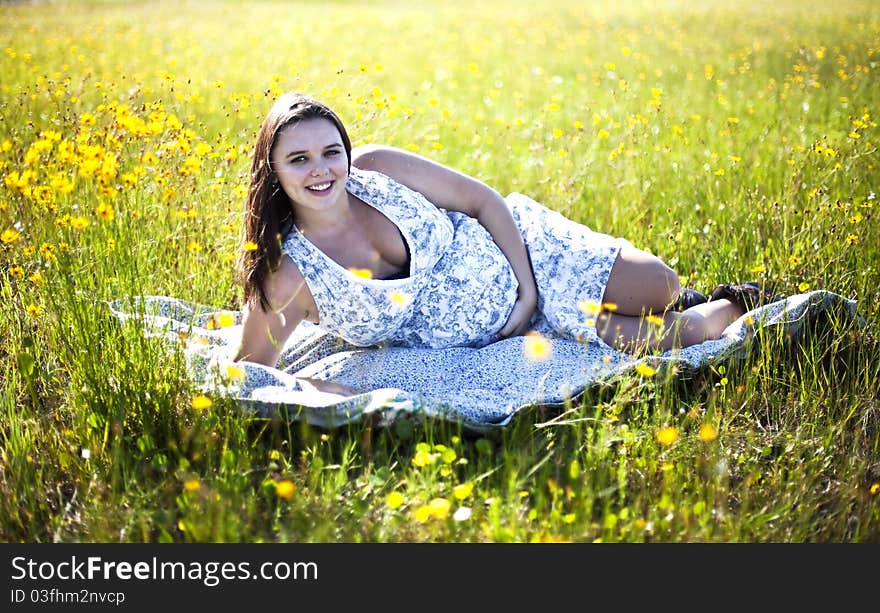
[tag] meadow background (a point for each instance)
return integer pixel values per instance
(738, 141)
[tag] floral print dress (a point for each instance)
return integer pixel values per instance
(460, 287)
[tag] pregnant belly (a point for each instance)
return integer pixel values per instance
(470, 293)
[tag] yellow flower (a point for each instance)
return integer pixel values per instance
(423, 458)
(803, 286)
(221, 320)
(79, 223)
(363, 273)
(201, 402)
(536, 347)
(10, 236)
(422, 514)
(33, 310)
(192, 485)
(708, 433)
(875, 487)
(17, 272)
(758, 269)
(794, 260)
(667, 435)
(645, 370)
(251, 246)
(654, 319)
(590, 307)
(852, 239)
(285, 489)
(104, 211)
(234, 373)
(463, 490)
(394, 500)
(399, 299)
(439, 508)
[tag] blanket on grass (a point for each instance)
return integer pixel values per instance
(449, 384)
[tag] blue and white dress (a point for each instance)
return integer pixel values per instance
(460, 288)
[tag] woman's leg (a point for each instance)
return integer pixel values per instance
(635, 334)
(640, 290)
(640, 283)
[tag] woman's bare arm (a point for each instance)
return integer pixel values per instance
(264, 332)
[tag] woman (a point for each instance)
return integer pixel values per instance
(384, 247)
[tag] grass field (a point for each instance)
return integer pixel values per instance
(736, 141)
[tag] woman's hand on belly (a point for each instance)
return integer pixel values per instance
(520, 315)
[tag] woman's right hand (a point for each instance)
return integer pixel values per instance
(520, 315)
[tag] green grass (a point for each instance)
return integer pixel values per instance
(736, 143)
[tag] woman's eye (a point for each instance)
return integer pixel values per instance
(333, 152)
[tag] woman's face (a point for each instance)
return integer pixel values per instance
(310, 162)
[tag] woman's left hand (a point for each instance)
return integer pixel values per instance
(520, 315)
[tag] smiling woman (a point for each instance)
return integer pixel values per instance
(385, 247)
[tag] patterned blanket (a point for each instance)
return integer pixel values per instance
(480, 388)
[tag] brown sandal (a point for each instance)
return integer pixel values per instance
(687, 298)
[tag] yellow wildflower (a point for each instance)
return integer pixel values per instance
(285, 489)
(655, 320)
(589, 307)
(234, 373)
(439, 508)
(667, 435)
(201, 402)
(104, 211)
(399, 299)
(536, 347)
(463, 490)
(10, 236)
(645, 370)
(363, 273)
(708, 433)
(394, 500)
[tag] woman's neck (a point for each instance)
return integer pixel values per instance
(328, 222)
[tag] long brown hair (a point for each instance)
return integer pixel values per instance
(268, 212)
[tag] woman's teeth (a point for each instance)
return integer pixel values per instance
(320, 187)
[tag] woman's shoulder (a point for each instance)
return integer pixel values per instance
(373, 156)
